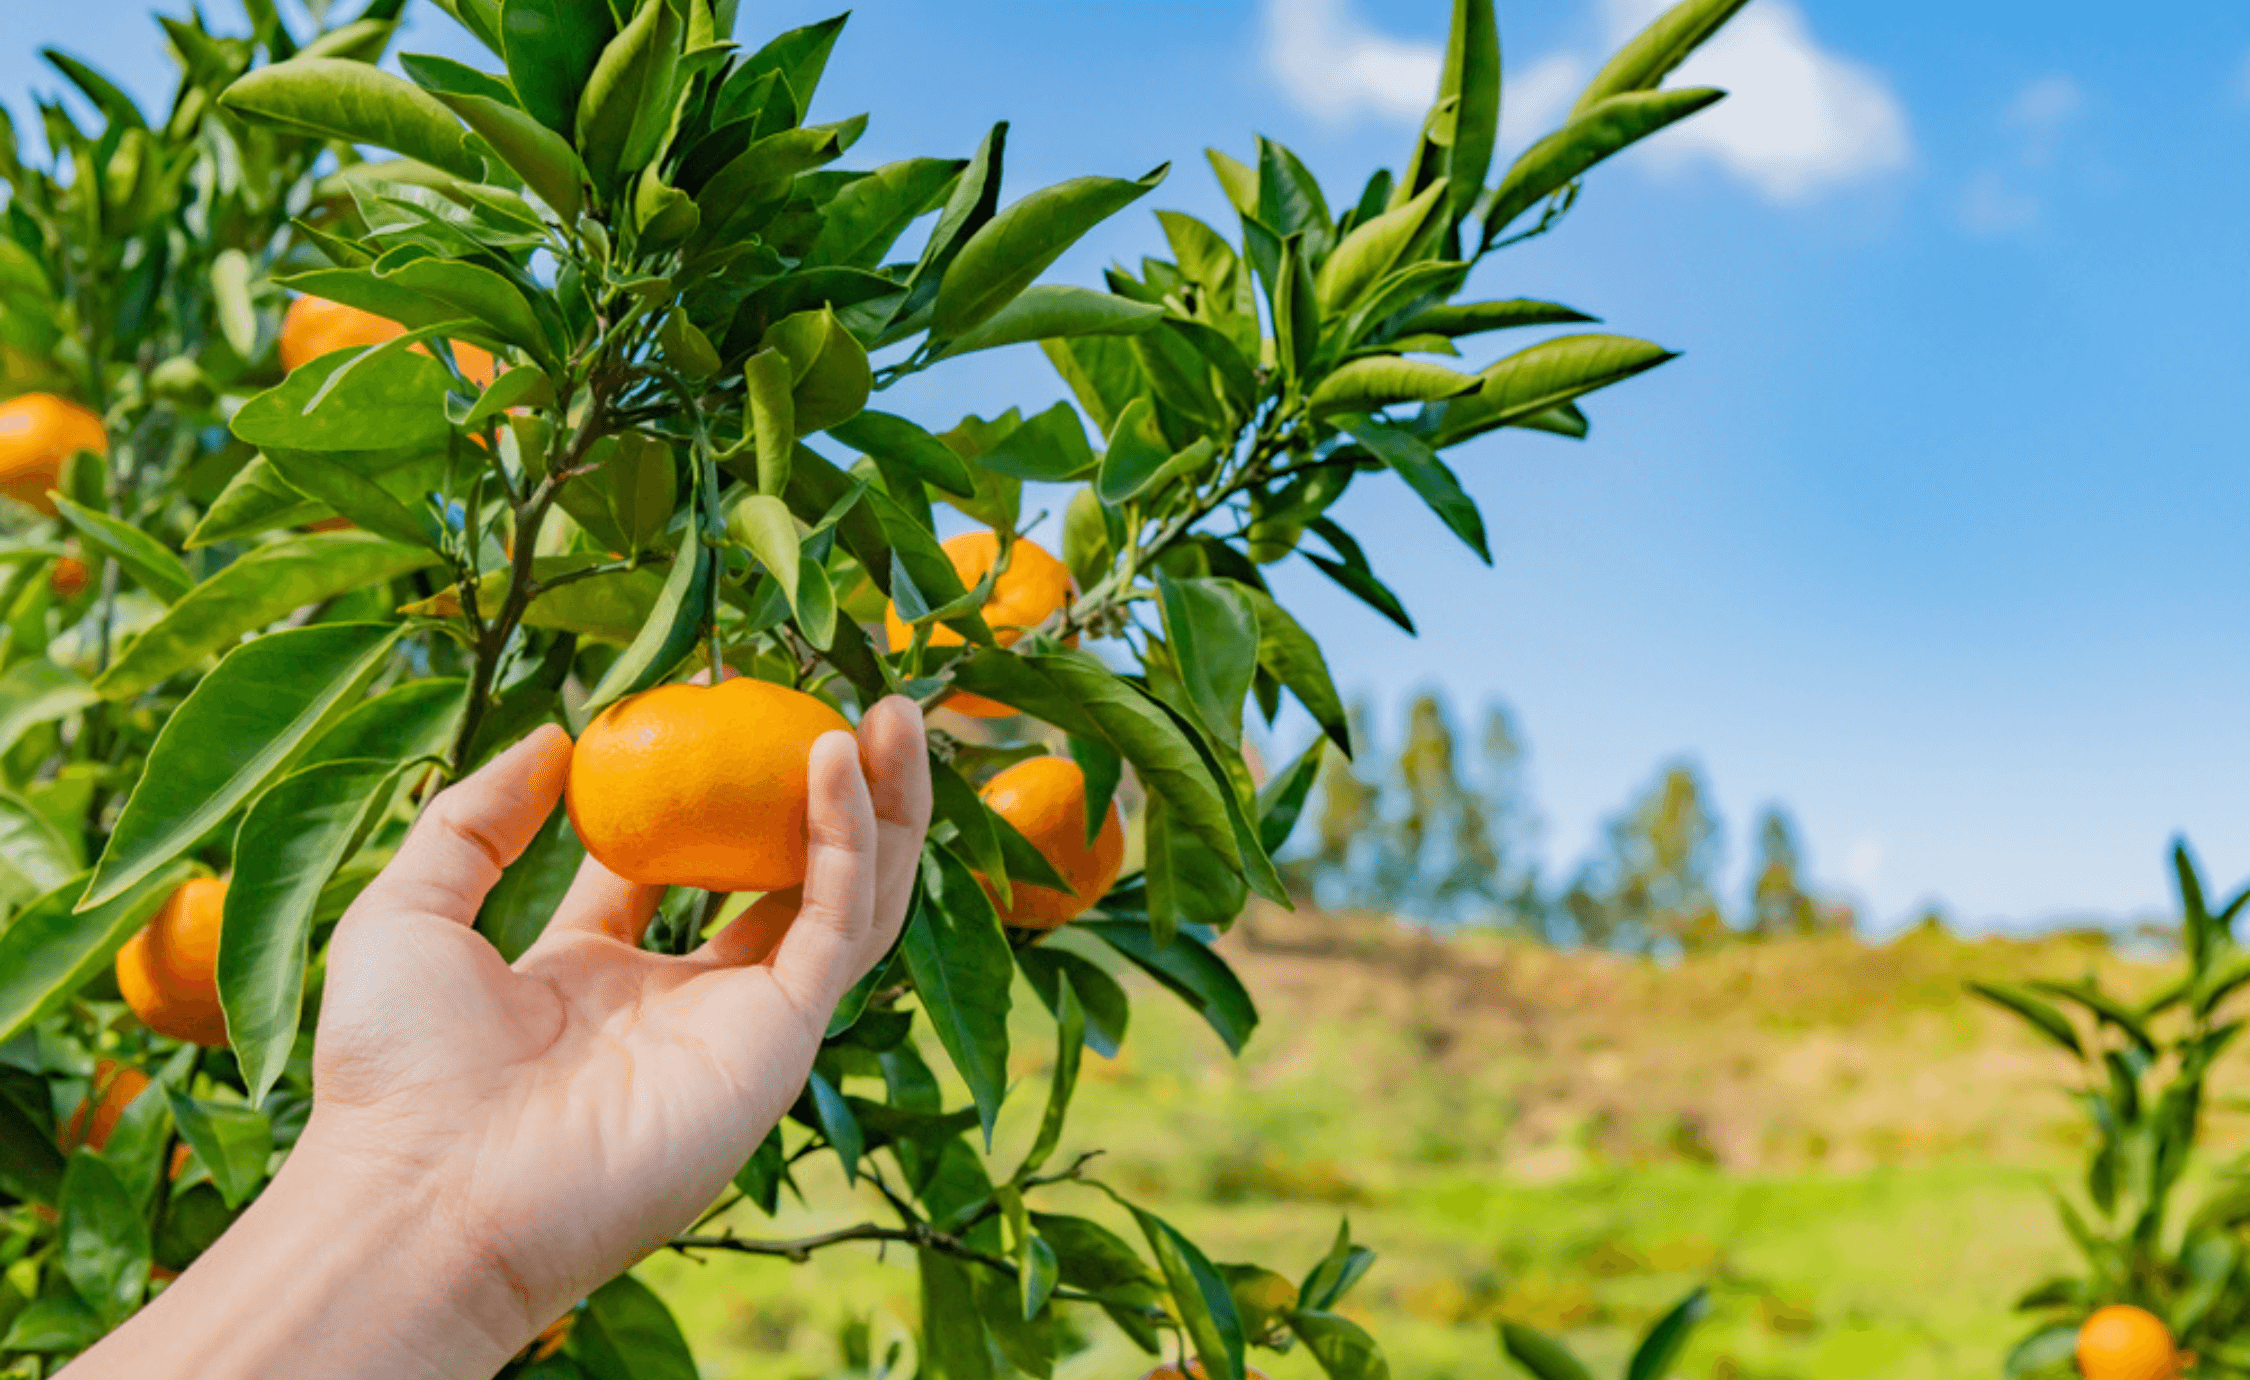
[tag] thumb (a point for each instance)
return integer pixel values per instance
(473, 830)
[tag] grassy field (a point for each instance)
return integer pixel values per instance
(1857, 1160)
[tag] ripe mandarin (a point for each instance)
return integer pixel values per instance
(315, 326)
(1045, 798)
(703, 786)
(2122, 1342)
(69, 576)
(1033, 587)
(115, 1087)
(169, 971)
(38, 432)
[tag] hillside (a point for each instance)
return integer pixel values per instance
(1856, 1156)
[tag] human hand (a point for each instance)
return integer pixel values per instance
(523, 1133)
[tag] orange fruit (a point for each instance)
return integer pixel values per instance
(702, 786)
(1045, 798)
(2122, 1342)
(115, 1087)
(315, 326)
(551, 1340)
(69, 575)
(169, 971)
(38, 432)
(1033, 588)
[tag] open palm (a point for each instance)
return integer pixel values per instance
(572, 1111)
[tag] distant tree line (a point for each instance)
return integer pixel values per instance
(1446, 833)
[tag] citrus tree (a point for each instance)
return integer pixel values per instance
(2163, 1281)
(385, 417)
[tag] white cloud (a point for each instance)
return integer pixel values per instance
(1798, 119)
(1536, 98)
(1991, 207)
(1337, 68)
(2039, 113)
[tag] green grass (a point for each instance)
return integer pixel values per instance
(1856, 1161)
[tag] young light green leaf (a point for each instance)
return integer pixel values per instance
(960, 962)
(863, 220)
(1471, 79)
(1373, 250)
(35, 691)
(762, 523)
(146, 559)
(236, 731)
(230, 295)
(291, 843)
(1341, 1346)
(627, 102)
(1535, 380)
(357, 103)
(34, 856)
(265, 585)
(478, 293)
(1003, 257)
(47, 952)
(1656, 50)
(1136, 451)
(1592, 135)
(1367, 384)
(1199, 1295)
(542, 158)
(773, 418)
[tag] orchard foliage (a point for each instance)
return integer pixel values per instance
(678, 465)
(2144, 1073)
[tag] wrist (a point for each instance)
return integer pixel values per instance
(370, 1271)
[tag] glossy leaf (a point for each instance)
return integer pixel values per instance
(899, 440)
(1546, 375)
(626, 1332)
(1213, 633)
(1136, 451)
(357, 103)
(1199, 1296)
(1412, 460)
(1290, 655)
(961, 964)
(627, 101)
(1281, 801)
(35, 691)
(1660, 1349)
(103, 1241)
(1050, 447)
(1364, 385)
(1455, 319)
(1540, 1354)
(48, 952)
(837, 1124)
(265, 585)
(1047, 310)
(1187, 882)
(291, 843)
(237, 730)
(1341, 1346)
(146, 559)
(477, 293)
(1103, 769)
(1373, 250)
(1011, 250)
(34, 857)
(352, 495)
(1352, 572)
(954, 801)
(1336, 1273)
(1102, 1002)
(388, 401)
(1592, 135)
(1189, 968)
(233, 1142)
(866, 218)
(551, 47)
(1471, 79)
(682, 612)
(1652, 53)
(414, 719)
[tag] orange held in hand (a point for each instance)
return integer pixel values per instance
(1045, 798)
(1033, 588)
(38, 432)
(315, 326)
(169, 971)
(2122, 1342)
(702, 786)
(115, 1087)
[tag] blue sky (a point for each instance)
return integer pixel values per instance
(1933, 532)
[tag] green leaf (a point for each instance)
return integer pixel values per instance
(896, 439)
(1213, 633)
(1290, 655)
(2105, 1008)
(475, 292)
(773, 418)
(762, 523)
(359, 104)
(627, 102)
(352, 495)
(1411, 458)
(1531, 382)
(542, 158)
(103, 1243)
(35, 691)
(1103, 1003)
(1187, 883)
(1592, 135)
(1199, 1295)
(1540, 1354)
(626, 1332)
(961, 966)
(551, 47)
(416, 719)
(1371, 251)
(1136, 452)
(230, 293)
(1364, 385)
(681, 614)
(1660, 1349)
(1354, 575)
(1290, 201)
(2046, 1352)
(1192, 972)
(862, 222)
(1070, 1044)
(954, 801)
(2042, 1017)
(31, 1168)
(1281, 801)
(1456, 319)
(292, 842)
(1048, 310)
(1011, 250)
(761, 1175)
(1336, 1273)
(516, 910)
(237, 730)
(48, 952)
(1341, 1346)
(264, 586)
(953, 1344)
(837, 1124)
(1102, 768)
(1471, 77)
(1049, 447)
(146, 559)
(34, 857)
(388, 401)
(233, 1141)
(1656, 50)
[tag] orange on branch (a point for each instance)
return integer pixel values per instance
(169, 971)
(702, 786)
(2122, 1342)
(70, 573)
(1045, 799)
(315, 326)
(90, 1125)
(38, 433)
(1033, 588)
